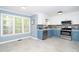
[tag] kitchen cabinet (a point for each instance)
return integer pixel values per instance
(40, 34)
(44, 34)
(50, 33)
(56, 33)
(53, 33)
(75, 35)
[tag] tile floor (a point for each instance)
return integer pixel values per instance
(48, 45)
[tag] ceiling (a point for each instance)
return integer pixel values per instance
(49, 10)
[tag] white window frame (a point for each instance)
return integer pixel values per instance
(14, 26)
(21, 25)
(2, 26)
(29, 25)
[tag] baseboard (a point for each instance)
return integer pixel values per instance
(14, 40)
(19, 39)
(34, 38)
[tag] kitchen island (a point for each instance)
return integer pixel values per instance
(46, 33)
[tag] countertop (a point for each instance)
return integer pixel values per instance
(49, 29)
(56, 29)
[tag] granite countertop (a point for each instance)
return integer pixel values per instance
(49, 29)
(56, 29)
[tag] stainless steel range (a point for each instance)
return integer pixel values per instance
(66, 30)
(66, 33)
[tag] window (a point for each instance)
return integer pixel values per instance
(12, 24)
(18, 25)
(7, 24)
(26, 24)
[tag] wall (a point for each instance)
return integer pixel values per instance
(0, 24)
(41, 18)
(34, 19)
(12, 37)
(73, 16)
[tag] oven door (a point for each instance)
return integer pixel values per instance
(66, 35)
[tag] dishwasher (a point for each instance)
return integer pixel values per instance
(45, 34)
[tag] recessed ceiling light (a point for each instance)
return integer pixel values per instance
(60, 12)
(23, 8)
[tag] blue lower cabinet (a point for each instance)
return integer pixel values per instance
(75, 35)
(40, 34)
(50, 33)
(53, 33)
(56, 33)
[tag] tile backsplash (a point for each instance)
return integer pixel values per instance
(75, 27)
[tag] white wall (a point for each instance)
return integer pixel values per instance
(41, 18)
(34, 25)
(73, 16)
